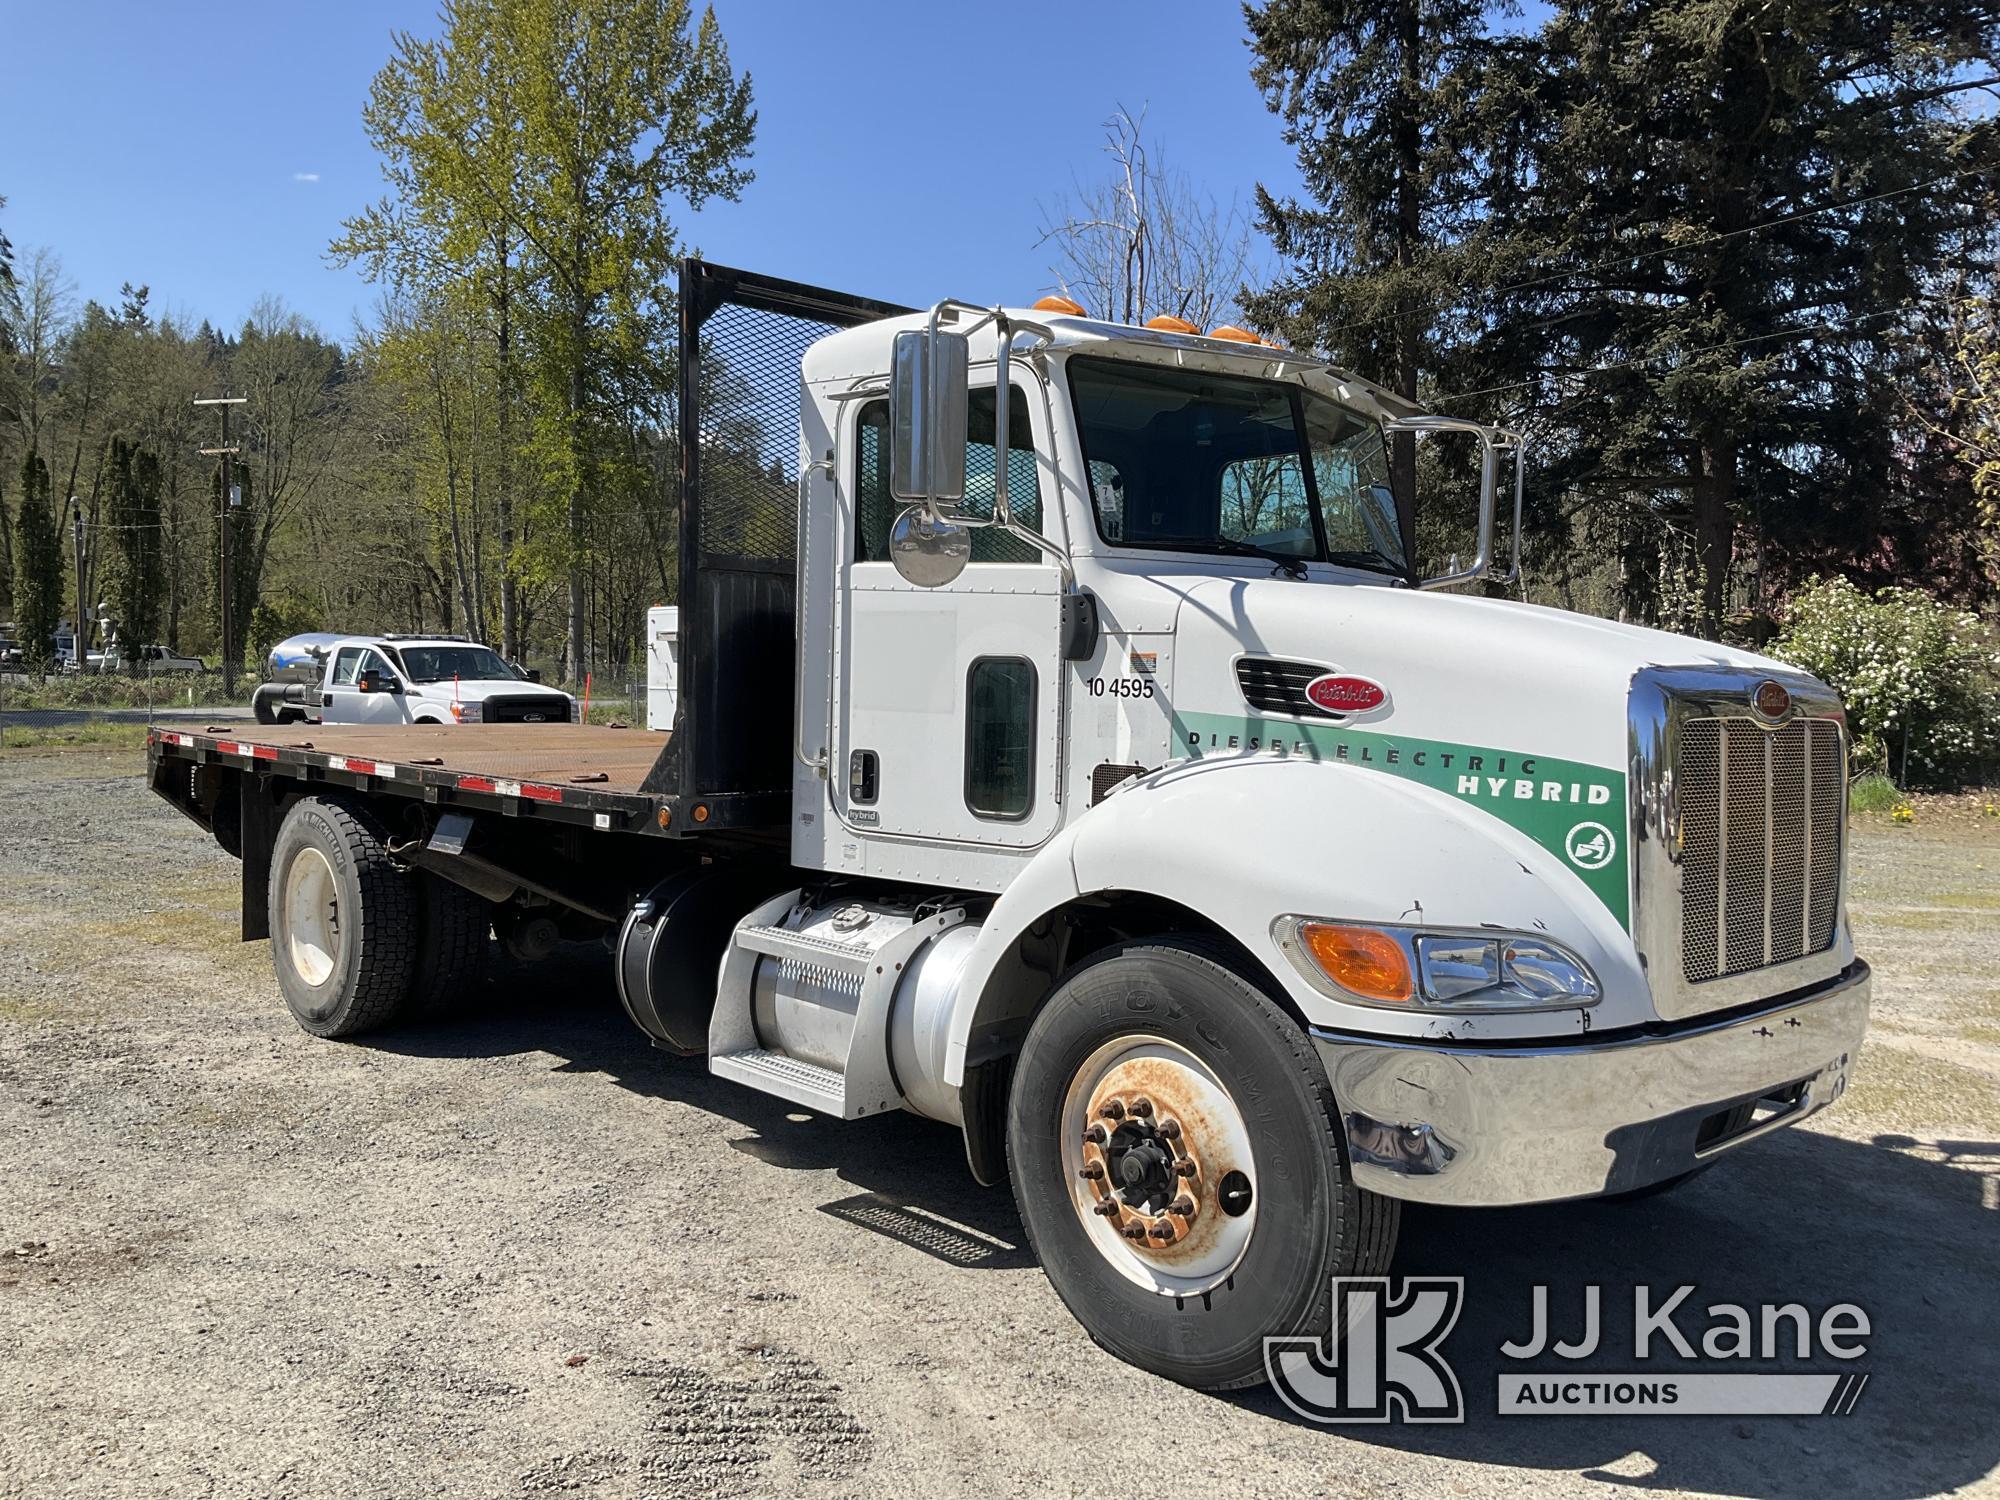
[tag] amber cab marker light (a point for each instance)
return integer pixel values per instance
(1061, 305)
(1234, 334)
(1167, 323)
(1368, 963)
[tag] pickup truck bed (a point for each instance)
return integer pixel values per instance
(579, 773)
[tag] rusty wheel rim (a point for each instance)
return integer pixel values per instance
(1159, 1165)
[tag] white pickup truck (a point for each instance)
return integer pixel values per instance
(325, 678)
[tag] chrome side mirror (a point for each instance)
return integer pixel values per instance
(1496, 446)
(929, 553)
(928, 417)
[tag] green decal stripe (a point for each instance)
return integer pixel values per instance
(1574, 810)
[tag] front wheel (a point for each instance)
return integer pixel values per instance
(1176, 1156)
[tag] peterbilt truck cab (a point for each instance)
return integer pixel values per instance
(1069, 750)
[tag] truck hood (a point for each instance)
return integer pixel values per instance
(468, 691)
(1453, 667)
(1515, 709)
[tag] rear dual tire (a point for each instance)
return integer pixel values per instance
(357, 942)
(1256, 1138)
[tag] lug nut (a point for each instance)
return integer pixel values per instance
(1142, 1106)
(1105, 1207)
(1169, 1129)
(1091, 1171)
(1163, 1232)
(1095, 1136)
(1183, 1205)
(1184, 1167)
(1135, 1231)
(1112, 1109)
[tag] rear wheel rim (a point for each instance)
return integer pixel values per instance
(312, 917)
(1159, 1166)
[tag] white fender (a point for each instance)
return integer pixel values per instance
(1246, 839)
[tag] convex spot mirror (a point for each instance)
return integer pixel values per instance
(928, 553)
(927, 416)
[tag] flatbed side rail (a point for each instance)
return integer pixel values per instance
(547, 800)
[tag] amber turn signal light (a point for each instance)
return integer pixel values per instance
(1360, 960)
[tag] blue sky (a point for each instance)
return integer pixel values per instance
(902, 151)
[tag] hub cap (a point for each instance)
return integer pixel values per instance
(1159, 1165)
(312, 917)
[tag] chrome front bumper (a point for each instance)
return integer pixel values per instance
(1503, 1124)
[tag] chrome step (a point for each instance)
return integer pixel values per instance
(807, 948)
(803, 1083)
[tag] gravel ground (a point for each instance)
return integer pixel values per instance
(526, 1254)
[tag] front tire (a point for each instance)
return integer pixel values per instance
(1159, 1081)
(342, 918)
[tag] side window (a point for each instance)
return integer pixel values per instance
(1351, 467)
(999, 737)
(374, 661)
(875, 509)
(346, 666)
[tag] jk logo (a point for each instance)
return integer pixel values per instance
(1379, 1362)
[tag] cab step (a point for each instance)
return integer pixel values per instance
(806, 1084)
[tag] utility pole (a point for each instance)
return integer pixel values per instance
(77, 627)
(226, 451)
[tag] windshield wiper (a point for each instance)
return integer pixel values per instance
(1293, 567)
(1366, 557)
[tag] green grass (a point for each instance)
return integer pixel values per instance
(1873, 793)
(66, 736)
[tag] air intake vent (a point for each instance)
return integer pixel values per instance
(1279, 687)
(1108, 776)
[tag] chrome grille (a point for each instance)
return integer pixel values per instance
(1760, 821)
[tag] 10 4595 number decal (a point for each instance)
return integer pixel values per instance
(1120, 687)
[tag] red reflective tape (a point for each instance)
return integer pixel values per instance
(477, 784)
(264, 752)
(227, 747)
(541, 793)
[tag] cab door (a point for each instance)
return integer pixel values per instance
(347, 704)
(948, 701)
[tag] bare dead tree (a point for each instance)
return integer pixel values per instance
(1144, 240)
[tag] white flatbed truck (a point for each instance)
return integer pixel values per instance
(1065, 749)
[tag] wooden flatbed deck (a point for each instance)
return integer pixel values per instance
(575, 772)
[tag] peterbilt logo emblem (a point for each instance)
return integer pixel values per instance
(1339, 693)
(1771, 699)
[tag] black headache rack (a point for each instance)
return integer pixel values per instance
(728, 764)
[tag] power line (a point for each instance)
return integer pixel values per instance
(1631, 257)
(1625, 364)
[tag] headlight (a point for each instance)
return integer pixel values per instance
(1405, 967)
(466, 713)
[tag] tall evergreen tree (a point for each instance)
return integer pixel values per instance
(1374, 95)
(135, 517)
(1730, 211)
(38, 565)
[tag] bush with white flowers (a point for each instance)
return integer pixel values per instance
(1921, 679)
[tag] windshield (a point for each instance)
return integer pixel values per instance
(468, 663)
(1185, 460)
